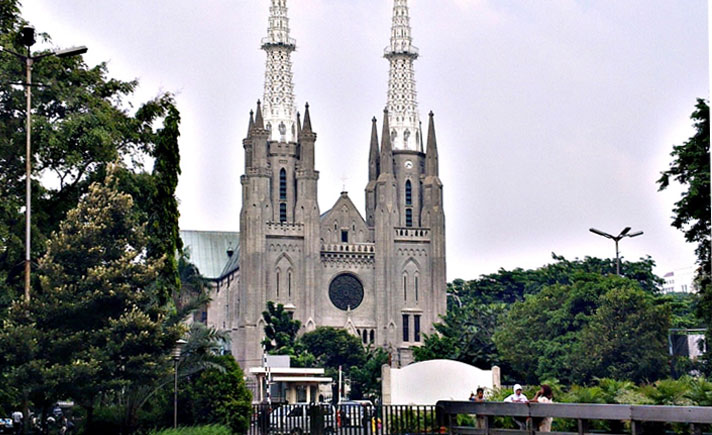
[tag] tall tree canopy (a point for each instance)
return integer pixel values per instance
(95, 322)
(82, 120)
(691, 168)
(552, 333)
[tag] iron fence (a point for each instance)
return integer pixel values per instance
(347, 419)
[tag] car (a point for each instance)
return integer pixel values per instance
(6, 425)
(297, 419)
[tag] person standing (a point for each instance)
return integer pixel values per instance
(518, 397)
(480, 397)
(17, 421)
(544, 395)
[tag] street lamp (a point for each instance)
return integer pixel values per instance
(624, 233)
(176, 357)
(27, 38)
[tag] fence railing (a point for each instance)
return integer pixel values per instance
(633, 419)
(345, 419)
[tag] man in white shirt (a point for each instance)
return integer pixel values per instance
(517, 397)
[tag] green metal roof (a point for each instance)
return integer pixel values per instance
(208, 250)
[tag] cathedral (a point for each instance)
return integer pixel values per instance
(380, 275)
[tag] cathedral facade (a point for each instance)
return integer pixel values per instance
(380, 276)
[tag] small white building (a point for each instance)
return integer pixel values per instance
(680, 280)
(289, 384)
(426, 382)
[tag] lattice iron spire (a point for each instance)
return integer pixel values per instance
(279, 111)
(402, 103)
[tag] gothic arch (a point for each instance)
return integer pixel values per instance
(310, 325)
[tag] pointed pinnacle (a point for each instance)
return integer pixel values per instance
(431, 158)
(259, 122)
(251, 124)
(299, 124)
(386, 147)
(306, 127)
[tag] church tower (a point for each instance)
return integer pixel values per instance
(279, 220)
(404, 196)
(380, 277)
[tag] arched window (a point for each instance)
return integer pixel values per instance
(282, 184)
(408, 193)
(283, 212)
(408, 217)
(405, 287)
(365, 337)
(277, 284)
(416, 288)
(371, 335)
(289, 284)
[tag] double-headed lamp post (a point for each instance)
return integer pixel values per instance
(176, 357)
(27, 38)
(624, 233)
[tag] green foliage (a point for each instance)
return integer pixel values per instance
(94, 326)
(464, 334)
(80, 124)
(333, 347)
(365, 379)
(221, 396)
(280, 328)
(626, 339)
(163, 218)
(547, 334)
(691, 168)
(511, 286)
(211, 429)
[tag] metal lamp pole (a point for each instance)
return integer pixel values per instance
(624, 233)
(27, 38)
(176, 357)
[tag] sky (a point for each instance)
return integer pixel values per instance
(551, 116)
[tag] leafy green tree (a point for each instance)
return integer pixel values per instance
(464, 334)
(626, 339)
(164, 237)
(509, 286)
(691, 168)
(221, 396)
(541, 336)
(80, 125)
(280, 328)
(365, 379)
(334, 347)
(95, 319)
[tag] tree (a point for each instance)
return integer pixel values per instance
(280, 328)
(509, 286)
(97, 326)
(80, 125)
(365, 379)
(541, 337)
(221, 396)
(626, 339)
(334, 348)
(464, 334)
(691, 168)
(164, 236)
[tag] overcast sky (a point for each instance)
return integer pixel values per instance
(551, 116)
